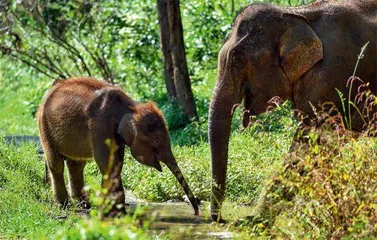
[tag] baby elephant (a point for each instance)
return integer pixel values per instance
(77, 118)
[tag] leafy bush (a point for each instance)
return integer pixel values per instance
(327, 187)
(127, 227)
(174, 115)
(327, 192)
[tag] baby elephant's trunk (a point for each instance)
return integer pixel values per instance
(172, 165)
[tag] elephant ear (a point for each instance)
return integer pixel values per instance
(300, 47)
(127, 128)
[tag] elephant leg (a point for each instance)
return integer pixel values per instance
(55, 163)
(113, 169)
(118, 170)
(116, 182)
(76, 182)
(46, 177)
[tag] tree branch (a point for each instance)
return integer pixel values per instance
(66, 45)
(32, 65)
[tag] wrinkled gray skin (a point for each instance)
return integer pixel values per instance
(300, 54)
(76, 118)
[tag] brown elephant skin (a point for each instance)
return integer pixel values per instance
(76, 119)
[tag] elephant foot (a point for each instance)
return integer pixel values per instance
(116, 212)
(217, 218)
(63, 204)
(84, 204)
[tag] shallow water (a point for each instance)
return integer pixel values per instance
(177, 220)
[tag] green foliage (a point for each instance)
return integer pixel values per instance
(192, 134)
(34, 97)
(118, 41)
(327, 187)
(25, 200)
(174, 115)
(319, 193)
(114, 40)
(127, 227)
(20, 95)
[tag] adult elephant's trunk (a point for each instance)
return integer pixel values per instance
(173, 166)
(227, 93)
(219, 126)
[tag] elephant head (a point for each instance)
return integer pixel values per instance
(267, 51)
(145, 132)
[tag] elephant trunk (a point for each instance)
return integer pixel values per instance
(173, 166)
(219, 126)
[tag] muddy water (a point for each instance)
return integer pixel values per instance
(177, 220)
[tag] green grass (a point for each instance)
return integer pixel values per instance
(26, 207)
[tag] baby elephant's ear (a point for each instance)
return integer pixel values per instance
(300, 47)
(127, 128)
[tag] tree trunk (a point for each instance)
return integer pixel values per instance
(165, 47)
(180, 74)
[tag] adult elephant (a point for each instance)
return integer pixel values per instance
(301, 54)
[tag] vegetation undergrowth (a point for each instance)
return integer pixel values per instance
(135, 225)
(327, 187)
(26, 209)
